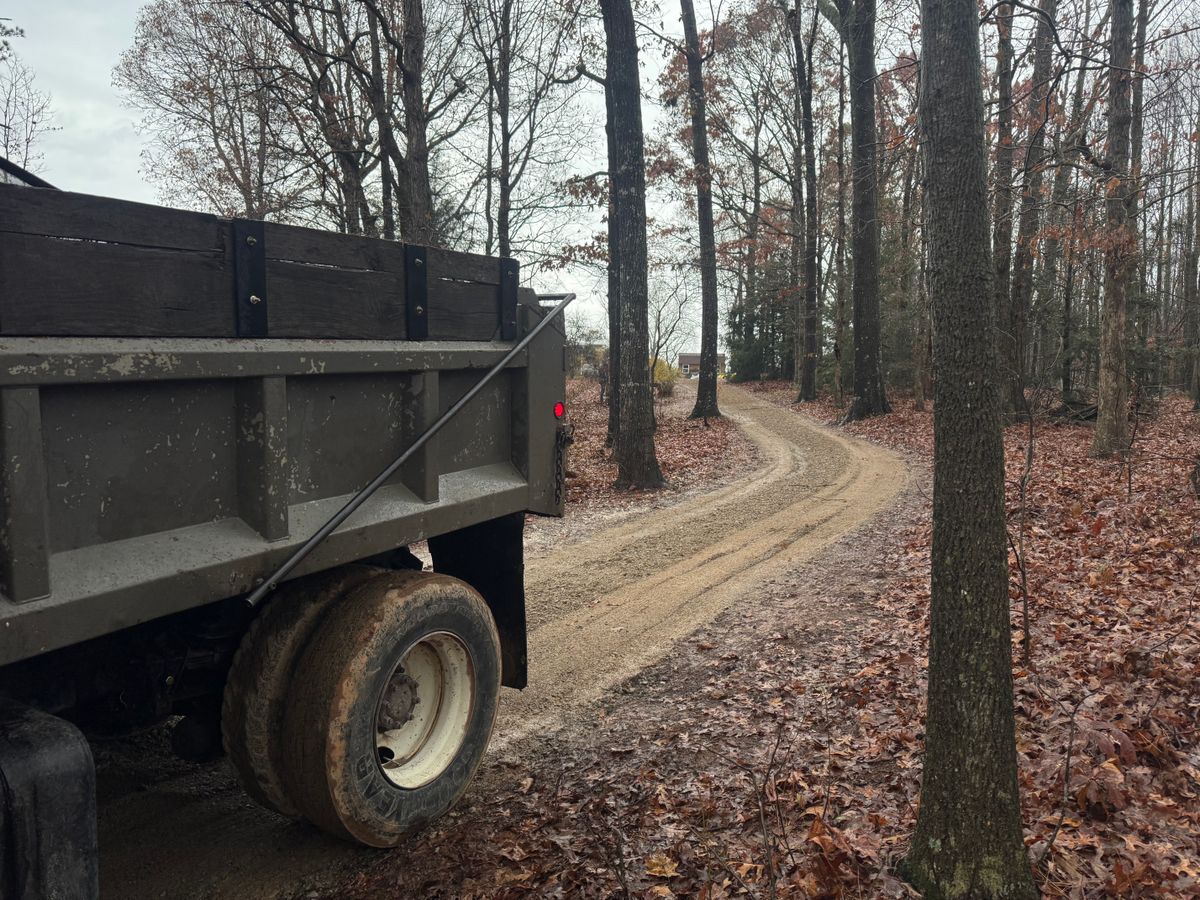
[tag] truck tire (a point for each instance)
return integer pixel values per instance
(256, 687)
(391, 707)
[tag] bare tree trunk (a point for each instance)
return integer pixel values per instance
(1068, 346)
(1061, 219)
(1031, 201)
(1112, 418)
(637, 464)
(870, 397)
(803, 80)
(839, 335)
(922, 350)
(968, 841)
(415, 194)
(1136, 283)
(1191, 288)
(706, 390)
(1003, 178)
(614, 285)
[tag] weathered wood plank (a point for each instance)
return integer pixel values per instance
(463, 311)
(329, 248)
(77, 265)
(82, 216)
(56, 287)
(317, 302)
(462, 266)
(24, 516)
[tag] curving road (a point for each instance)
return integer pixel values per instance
(600, 610)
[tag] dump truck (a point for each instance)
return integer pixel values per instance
(219, 441)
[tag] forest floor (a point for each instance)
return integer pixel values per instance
(1108, 691)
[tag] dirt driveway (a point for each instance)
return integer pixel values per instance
(600, 609)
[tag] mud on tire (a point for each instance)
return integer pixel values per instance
(256, 687)
(391, 707)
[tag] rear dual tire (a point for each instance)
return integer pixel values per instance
(388, 709)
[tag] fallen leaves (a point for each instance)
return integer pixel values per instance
(780, 752)
(660, 865)
(690, 452)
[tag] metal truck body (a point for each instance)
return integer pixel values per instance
(185, 399)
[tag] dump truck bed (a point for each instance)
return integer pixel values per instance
(184, 399)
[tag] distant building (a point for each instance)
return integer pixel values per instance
(689, 364)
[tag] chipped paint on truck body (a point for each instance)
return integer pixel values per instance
(141, 477)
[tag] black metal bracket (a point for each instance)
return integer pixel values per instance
(250, 280)
(510, 278)
(416, 293)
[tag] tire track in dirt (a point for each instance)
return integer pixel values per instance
(600, 609)
(606, 608)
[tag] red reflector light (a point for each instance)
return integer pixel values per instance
(560, 410)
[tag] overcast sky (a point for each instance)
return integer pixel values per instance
(72, 46)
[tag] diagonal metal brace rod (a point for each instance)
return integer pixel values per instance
(379, 480)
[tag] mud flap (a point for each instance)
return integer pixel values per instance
(490, 557)
(48, 845)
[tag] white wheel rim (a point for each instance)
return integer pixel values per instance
(423, 713)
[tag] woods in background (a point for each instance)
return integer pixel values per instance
(784, 182)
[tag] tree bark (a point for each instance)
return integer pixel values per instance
(706, 389)
(1191, 288)
(1028, 219)
(1062, 220)
(968, 841)
(839, 334)
(637, 464)
(1002, 176)
(415, 195)
(870, 398)
(1112, 417)
(614, 286)
(803, 80)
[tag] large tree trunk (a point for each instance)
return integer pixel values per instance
(968, 841)
(803, 80)
(637, 465)
(870, 398)
(1002, 176)
(706, 390)
(614, 286)
(1112, 418)
(414, 193)
(1031, 203)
